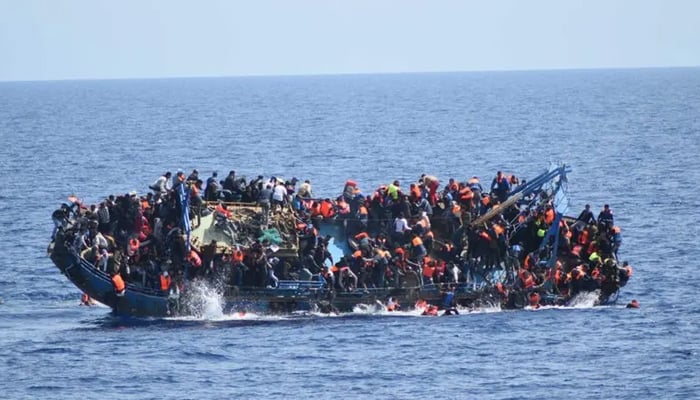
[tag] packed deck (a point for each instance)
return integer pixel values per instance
(510, 240)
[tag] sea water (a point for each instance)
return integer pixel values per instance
(632, 138)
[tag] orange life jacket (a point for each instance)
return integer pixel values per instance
(428, 270)
(583, 237)
(526, 278)
(501, 290)
(415, 192)
(431, 310)
(577, 250)
(417, 241)
(466, 194)
(118, 283)
(237, 257)
(164, 282)
(557, 277)
(361, 236)
(534, 300)
(327, 209)
(222, 210)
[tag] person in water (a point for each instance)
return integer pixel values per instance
(448, 303)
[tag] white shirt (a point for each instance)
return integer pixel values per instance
(400, 225)
(279, 193)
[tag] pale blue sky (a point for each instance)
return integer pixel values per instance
(61, 39)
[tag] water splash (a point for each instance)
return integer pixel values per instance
(584, 299)
(204, 301)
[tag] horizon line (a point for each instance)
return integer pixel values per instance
(329, 74)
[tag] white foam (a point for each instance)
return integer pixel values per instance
(204, 302)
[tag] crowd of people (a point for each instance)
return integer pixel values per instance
(400, 236)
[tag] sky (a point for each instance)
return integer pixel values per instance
(95, 39)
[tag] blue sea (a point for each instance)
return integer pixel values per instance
(632, 138)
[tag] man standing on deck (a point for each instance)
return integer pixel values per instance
(586, 217)
(500, 187)
(605, 219)
(264, 200)
(279, 194)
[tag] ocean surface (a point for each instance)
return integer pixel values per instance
(632, 138)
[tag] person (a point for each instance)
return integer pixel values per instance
(400, 229)
(392, 304)
(161, 185)
(392, 191)
(211, 190)
(194, 176)
(195, 194)
(263, 199)
(118, 284)
(586, 216)
(103, 218)
(500, 186)
(279, 194)
(305, 189)
(230, 181)
(448, 302)
(605, 218)
(60, 219)
(165, 281)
